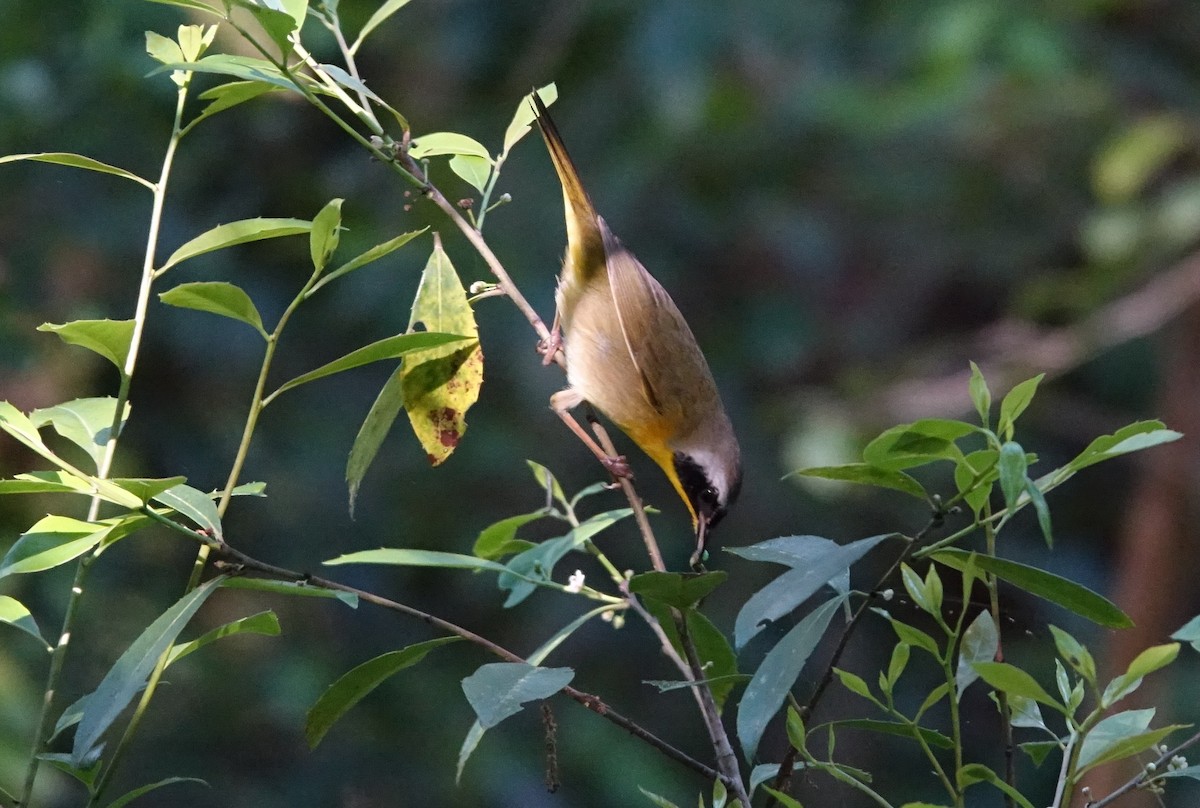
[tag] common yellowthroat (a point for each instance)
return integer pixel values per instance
(630, 354)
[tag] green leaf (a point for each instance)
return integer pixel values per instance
(1038, 751)
(264, 623)
(816, 561)
(522, 120)
(974, 475)
(324, 236)
(1068, 594)
(499, 539)
(1074, 653)
(146, 488)
(778, 672)
(195, 505)
(78, 161)
(279, 23)
(973, 773)
(916, 589)
(980, 642)
(371, 434)
(192, 5)
(129, 675)
(681, 590)
(125, 799)
(86, 422)
(402, 557)
(855, 684)
(1025, 713)
(371, 255)
(291, 589)
(712, 649)
(1190, 633)
(546, 648)
(867, 474)
(1127, 163)
(231, 94)
(475, 171)
(14, 613)
(382, 13)
(441, 384)
(499, 689)
(661, 802)
(917, 444)
(527, 570)
(783, 799)
(216, 297)
(1011, 679)
(247, 68)
(1012, 469)
(1132, 438)
(1145, 663)
(356, 683)
(936, 695)
(439, 143)
(1042, 509)
(914, 636)
(981, 397)
(547, 481)
(1014, 404)
(163, 49)
(389, 348)
(51, 541)
(233, 233)
(931, 737)
(1110, 731)
(109, 338)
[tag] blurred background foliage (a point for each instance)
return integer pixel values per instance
(848, 200)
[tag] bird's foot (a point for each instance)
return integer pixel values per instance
(548, 348)
(618, 467)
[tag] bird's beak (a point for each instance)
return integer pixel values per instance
(698, 557)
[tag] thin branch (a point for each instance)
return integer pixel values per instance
(594, 703)
(1145, 775)
(635, 501)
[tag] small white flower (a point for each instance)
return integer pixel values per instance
(607, 617)
(575, 582)
(887, 594)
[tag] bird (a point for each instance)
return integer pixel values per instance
(630, 354)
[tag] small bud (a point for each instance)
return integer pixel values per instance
(1150, 767)
(466, 203)
(1087, 793)
(505, 198)
(1162, 748)
(887, 594)
(607, 617)
(1179, 762)
(618, 621)
(407, 208)
(575, 583)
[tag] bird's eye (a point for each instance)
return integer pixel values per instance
(711, 496)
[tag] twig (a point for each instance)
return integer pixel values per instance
(635, 501)
(1144, 776)
(588, 700)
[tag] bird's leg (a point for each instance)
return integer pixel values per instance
(562, 403)
(550, 346)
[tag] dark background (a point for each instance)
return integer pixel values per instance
(848, 200)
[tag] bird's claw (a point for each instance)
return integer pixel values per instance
(549, 347)
(618, 467)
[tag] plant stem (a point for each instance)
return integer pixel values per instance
(58, 658)
(993, 587)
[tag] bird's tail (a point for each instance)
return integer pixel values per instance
(583, 231)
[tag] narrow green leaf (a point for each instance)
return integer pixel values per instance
(191, 5)
(1076, 655)
(981, 397)
(914, 636)
(1042, 509)
(402, 557)
(1111, 731)
(499, 539)
(440, 143)
(855, 684)
(389, 348)
(978, 773)
(216, 297)
(816, 561)
(659, 801)
(474, 736)
(546, 648)
(1190, 633)
(1012, 473)
(78, 161)
(356, 683)
(14, 613)
(51, 541)
(371, 255)
(472, 169)
(522, 120)
(195, 505)
(371, 434)
(783, 799)
(778, 672)
(1131, 438)
(128, 676)
(681, 590)
(247, 68)
(163, 49)
(499, 689)
(974, 476)
(1068, 594)
(547, 481)
(866, 474)
(264, 623)
(917, 444)
(1130, 745)
(231, 94)
(980, 642)
(915, 587)
(145, 488)
(1011, 679)
(291, 589)
(1038, 751)
(796, 731)
(1025, 713)
(712, 648)
(233, 233)
(1145, 663)
(324, 236)
(125, 799)
(86, 422)
(1014, 403)
(931, 737)
(109, 338)
(375, 20)
(278, 22)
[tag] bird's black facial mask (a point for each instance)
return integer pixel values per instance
(705, 499)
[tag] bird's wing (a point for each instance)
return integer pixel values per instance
(641, 305)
